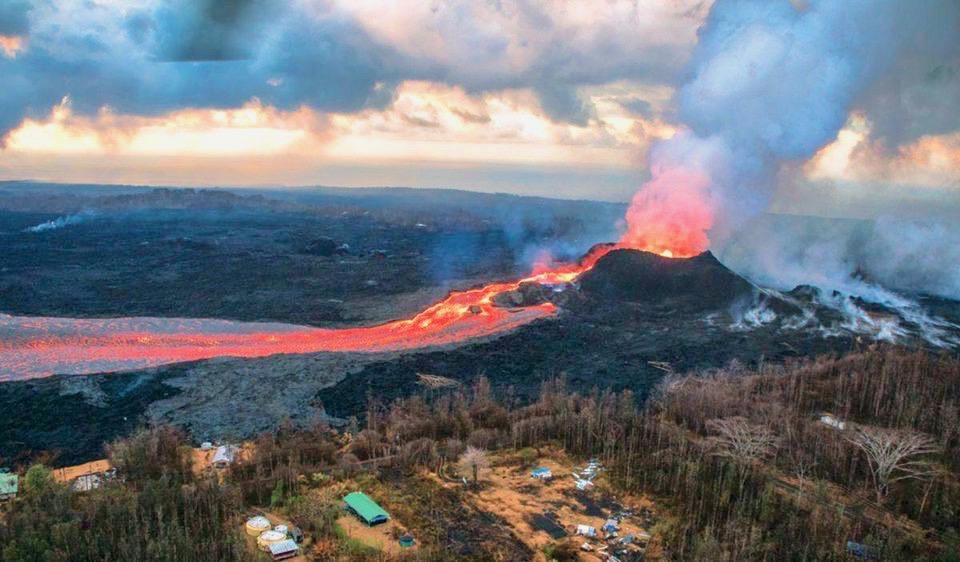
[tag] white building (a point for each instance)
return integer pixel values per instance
(224, 456)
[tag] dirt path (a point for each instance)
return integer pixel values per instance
(68, 474)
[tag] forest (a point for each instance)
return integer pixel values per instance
(833, 458)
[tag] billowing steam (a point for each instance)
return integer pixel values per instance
(769, 84)
(60, 222)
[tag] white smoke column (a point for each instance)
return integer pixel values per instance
(770, 82)
(61, 222)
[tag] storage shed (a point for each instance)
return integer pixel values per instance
(365, 508)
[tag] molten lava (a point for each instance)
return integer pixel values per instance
(669, 216)
(38, 347)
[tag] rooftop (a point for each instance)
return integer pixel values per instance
(366, 508)
(9, 483)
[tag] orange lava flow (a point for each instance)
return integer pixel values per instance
(39, 347)
(669, 216)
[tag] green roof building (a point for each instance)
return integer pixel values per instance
(365, 508)
(9, 485)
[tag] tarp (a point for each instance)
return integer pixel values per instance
(365, 508)
(586, 530)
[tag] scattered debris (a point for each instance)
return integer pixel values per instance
(589, 473)
(86, 483)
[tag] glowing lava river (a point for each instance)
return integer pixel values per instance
(34, 347)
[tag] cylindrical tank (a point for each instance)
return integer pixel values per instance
(270, 537)
(257, 525)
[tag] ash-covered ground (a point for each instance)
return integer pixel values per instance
(339, 258)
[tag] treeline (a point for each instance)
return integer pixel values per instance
(742, 460)
(156, 511)
(741, 457)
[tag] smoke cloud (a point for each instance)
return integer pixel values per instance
(769, 84)
(61, 222)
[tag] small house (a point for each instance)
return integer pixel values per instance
(586, 531)
(284, 549)
(206, 446)
(541, 473)
(224, 456)
(9, 484)
(366, 509)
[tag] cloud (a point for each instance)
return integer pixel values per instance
(150, 61)
(562, 103)
(210, 30)
(148, 58)
(918, 95)
(14, 17)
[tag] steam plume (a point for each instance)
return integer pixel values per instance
(770, 83)
(61, 222)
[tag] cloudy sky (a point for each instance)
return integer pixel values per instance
(561, 98)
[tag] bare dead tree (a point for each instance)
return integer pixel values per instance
(803, 466)
(742, 441)
(894, 455)
(474, 460)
